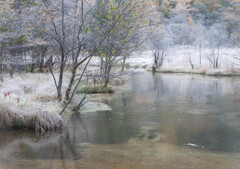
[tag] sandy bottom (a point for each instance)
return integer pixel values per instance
(135, 154)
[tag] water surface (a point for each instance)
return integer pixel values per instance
(163, 121)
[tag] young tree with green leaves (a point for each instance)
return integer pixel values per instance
(131, 17)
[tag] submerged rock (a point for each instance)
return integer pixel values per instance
(94, 107)
(150, 133)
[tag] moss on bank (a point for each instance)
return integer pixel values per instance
(95, 90)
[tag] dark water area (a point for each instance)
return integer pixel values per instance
(189, 111)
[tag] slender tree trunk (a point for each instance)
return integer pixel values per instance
(107, 74)
(82, 18)
(124, 63)
(162, 58)
(62, 64)
(33, 64)
(32, 68)
(60, 80)
(42, 56)
(106, 77)
(156, 60)
(190, 61)
(101, 66)
(106, 81)
(70, 84)
(218, 55)
(200, 54)
(192, 66)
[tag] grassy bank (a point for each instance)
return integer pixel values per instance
(29, 118)
(29, 101)
(203, 71)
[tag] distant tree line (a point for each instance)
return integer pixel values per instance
(212, 23)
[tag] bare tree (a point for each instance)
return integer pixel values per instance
(159, 45)
(200, 36)
(216, 39)
(77, 30)
(66, 26)
(190, 61)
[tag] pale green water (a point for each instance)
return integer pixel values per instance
(192, 113)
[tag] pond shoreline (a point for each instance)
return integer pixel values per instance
(209, 72)
(29, 102)
(38, 112)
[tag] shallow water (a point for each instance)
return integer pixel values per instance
(164, 121)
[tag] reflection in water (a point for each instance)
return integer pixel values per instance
(199, 109)
(169, 109)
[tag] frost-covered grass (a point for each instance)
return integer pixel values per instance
(203, 71)
(177, 61)
(30, 101)
(223, 72)
(30, 87)
(29, 118)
